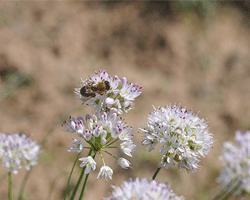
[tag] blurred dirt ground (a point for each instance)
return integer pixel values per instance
(196, 57)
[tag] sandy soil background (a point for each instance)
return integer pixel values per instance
(195, 55)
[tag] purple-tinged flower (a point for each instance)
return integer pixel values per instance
(183, 135)
(75, 125)
(16, 150)
(101, 132)
(77, 146)
(143, 190)
(236, 162)
(108, 94)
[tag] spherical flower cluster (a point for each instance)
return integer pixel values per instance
(100, 132)
(143, 190)
(236, 161)
(184, 136)
(107, 93)
(16, 150)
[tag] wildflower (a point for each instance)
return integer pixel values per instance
(75, 125)
(143, 190)
(16, 150)
(101, 132)
(108, 94)
(127, 147)
(77, 146)
(123, 163)
(89, 163)
(236, 161)
(184, 136)
(105, 172)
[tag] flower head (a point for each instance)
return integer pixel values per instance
(101, 132)
(236, 161)
(143, 190)
(183, 135)
(107, 93)
(16, 150)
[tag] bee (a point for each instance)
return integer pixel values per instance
(90, 90)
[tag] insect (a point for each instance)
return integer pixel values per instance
(90, 90)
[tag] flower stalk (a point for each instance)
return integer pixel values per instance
(85, 183)
(79, 180)
(10, 186)
(156, 173)
(109, 97)
(71, 172)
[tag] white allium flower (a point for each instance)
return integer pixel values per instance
(101, 132)
(77, 146)
(143, 190)
(89, 163)
(123, 163)
(127, 147)
(107, 93)
(236, 161)
(105, 172)
(183, 135)
(16, 150)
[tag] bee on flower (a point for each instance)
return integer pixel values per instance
(108, 94)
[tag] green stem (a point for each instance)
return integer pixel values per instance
(110, 154)
(112, 142)
(102, 158)
(79, 180)
(114, 147)
(66, 192)
(20, 193)
(85, 182)
(156, 172)
(232, 191)
(224, 190)
(53, 184)
(10, 187)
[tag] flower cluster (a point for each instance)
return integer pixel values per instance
(107, 93)
(236, 161)
(16, 150)
(100, 132)
(110, 97)
(143, 190)
(184, 136)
